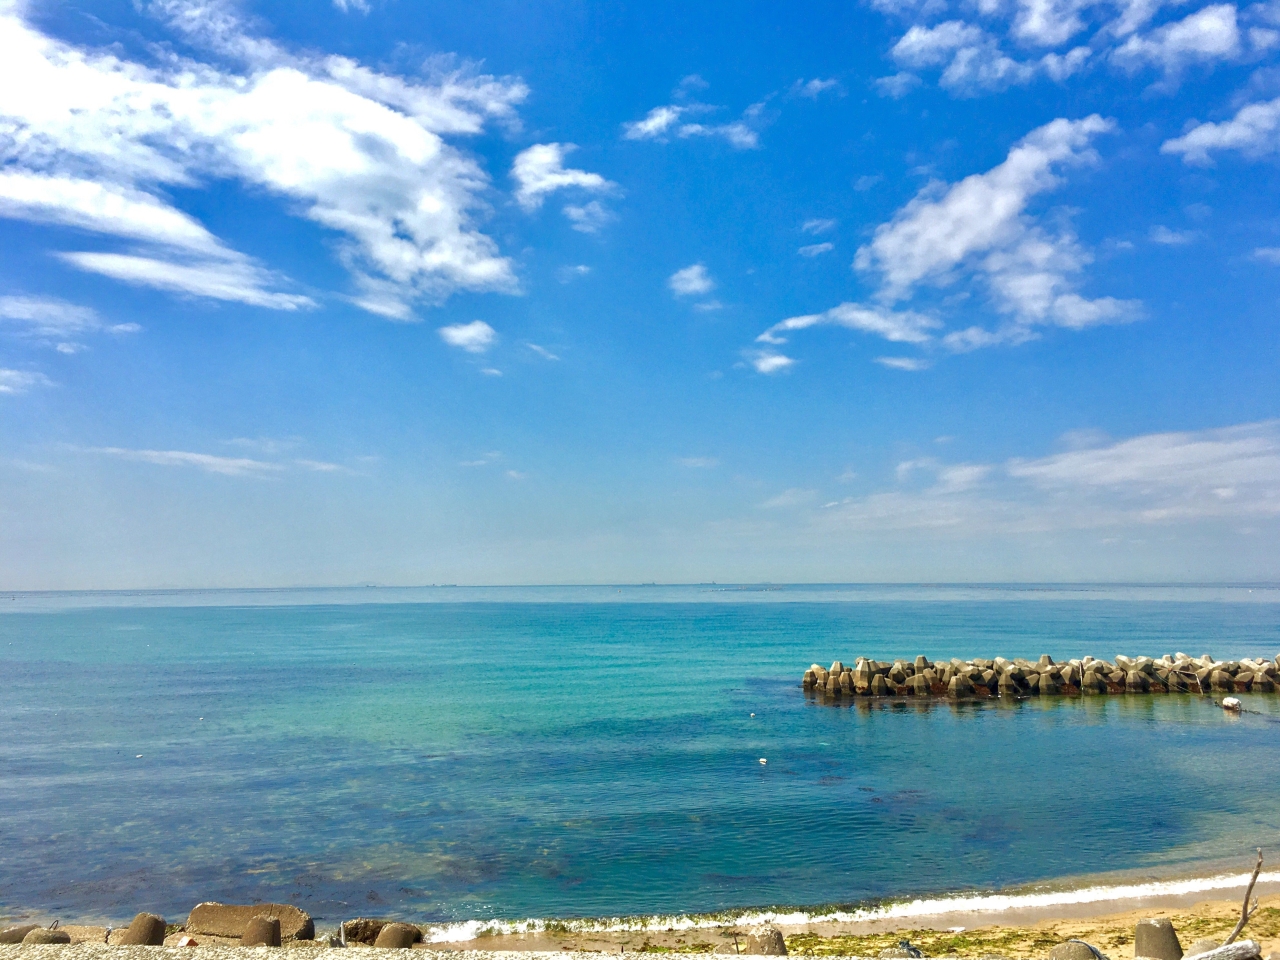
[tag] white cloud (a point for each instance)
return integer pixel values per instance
(661, 123)
(93, 140)
(1171, 238)
(48, 316)
(933, 46)
(491, 371)
(813, 88)
(980, 225)
(54, 322)
(895, 326)
(13, 382)
(474, 337)
(818, 225)
(816, 249)
(347, 6)
(769, 361)
(540, 170)
(543, 352)
(691, 281)
(566, 274)
(898, 85)
(656, 124)
(737, 133)
(979, 228)
(1205, 36)
(321, 466)
(591, 217)
(903, 363)
(491, 457)
(1267, 255)
(794, 497)
(1185, 474)
(1254, 131)
(1228, 474)
(239, 281)
(227, 466)
(973, 60)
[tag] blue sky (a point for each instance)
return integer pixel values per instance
(308, 293)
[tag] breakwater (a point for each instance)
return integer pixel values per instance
(963, 679)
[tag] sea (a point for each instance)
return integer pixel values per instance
(491, 758)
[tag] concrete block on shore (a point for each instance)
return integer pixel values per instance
(1073, 950)
(15, 934)
(228, 920)
(1019, 678)
(363, 929)
(399, 936)
(146, 930)
(42, 935)
(766, 941)
(261, 932)
(1156, 938)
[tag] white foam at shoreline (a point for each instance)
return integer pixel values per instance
(963, 903)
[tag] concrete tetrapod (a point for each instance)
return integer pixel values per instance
(1073, 950)
(15, 934)
(41, 935)
(261, 932)
(765, 941)
(1158, 939)
(399, 936)
(146, 930)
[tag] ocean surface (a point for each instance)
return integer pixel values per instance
(470, 754)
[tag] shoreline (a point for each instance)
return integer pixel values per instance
(1014, 920)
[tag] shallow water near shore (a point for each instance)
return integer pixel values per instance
(455, 755)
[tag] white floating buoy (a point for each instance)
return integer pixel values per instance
(1231, 703)
(753, 714)
(763, 761)
(138, 757)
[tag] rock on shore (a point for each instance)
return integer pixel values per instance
(966, 679)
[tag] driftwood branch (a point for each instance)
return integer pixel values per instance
(1246, 911)
(1244, 950)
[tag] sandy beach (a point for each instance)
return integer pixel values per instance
(1015, 934)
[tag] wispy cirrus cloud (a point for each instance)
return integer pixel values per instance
(225, 465)
(14, 382)
(209, 463)
(55, 322)
(1230, 474)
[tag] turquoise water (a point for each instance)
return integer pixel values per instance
(450, 755)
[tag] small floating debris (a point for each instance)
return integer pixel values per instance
(1231, 704)
(763, 761)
